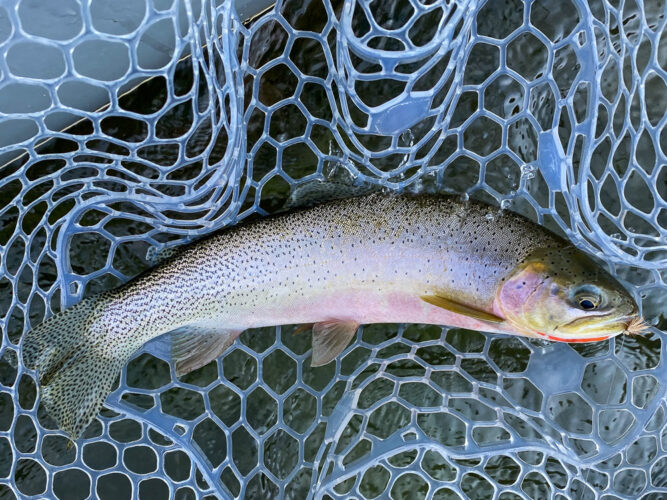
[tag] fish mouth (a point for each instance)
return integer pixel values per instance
(592, 323)
(595, 328)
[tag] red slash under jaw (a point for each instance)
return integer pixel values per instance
(560, 339)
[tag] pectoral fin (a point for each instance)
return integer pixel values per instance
(193, 347)
(330, 338)
(463, 309)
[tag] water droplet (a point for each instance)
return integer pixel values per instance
(407, 138)
(543, 345)
(429, 182)
(334, 150)
(464, 197)
(415, 187)
(528, 171)
(489, 216)
(339, 172)
(505, 204)
(616, 236)
(329, 169)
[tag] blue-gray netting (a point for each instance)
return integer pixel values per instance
(189, 118)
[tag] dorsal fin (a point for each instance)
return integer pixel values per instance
(316, 192)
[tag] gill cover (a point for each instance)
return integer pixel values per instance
(561, 294)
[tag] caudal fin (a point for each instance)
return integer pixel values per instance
(76, 369)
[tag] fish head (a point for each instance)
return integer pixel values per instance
(563, 295)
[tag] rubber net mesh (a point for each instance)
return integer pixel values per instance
(553, 109)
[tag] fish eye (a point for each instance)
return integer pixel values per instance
(587, 304)
(587, 298)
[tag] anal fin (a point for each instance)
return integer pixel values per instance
(459, 308)
(330, 338)
(193, 346)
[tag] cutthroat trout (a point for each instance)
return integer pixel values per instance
(371, 259)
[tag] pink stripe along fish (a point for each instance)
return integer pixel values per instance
(370, 259)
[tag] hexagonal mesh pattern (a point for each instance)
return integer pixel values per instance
(553, 109)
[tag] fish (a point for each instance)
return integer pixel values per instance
(376, 258)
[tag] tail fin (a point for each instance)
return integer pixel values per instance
(76, 367)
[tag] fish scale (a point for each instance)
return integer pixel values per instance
(370, 259)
